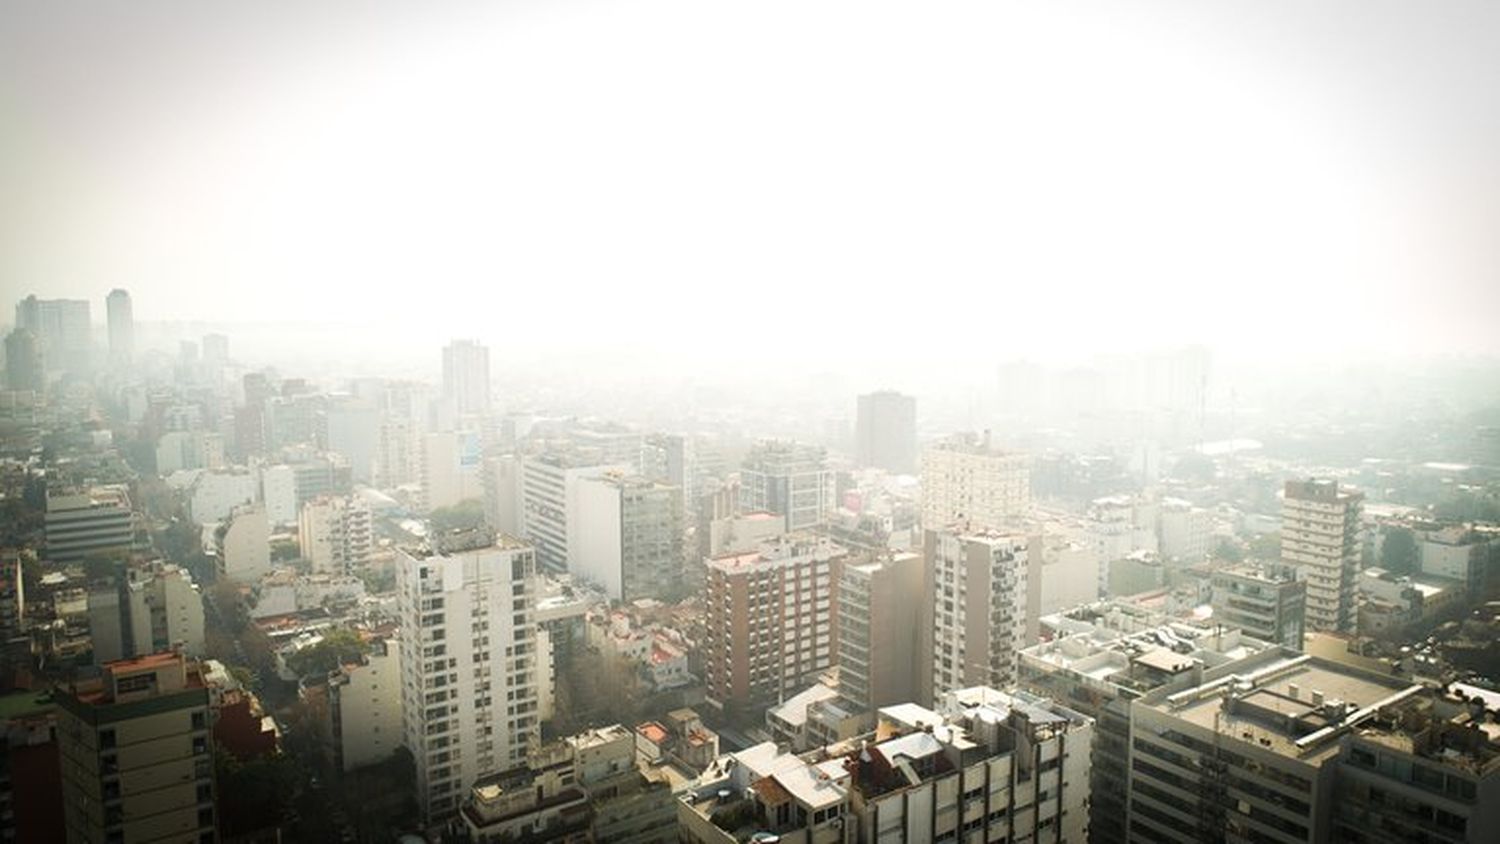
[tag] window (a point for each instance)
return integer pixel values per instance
(200, 720)
(107, 738)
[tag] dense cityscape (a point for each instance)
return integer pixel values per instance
(774, 422)
(239, 603)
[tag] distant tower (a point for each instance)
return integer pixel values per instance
(466, 376)
(23, 361)
(121, 326)
(886, 432)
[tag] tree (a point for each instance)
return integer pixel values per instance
(465, 515)
(339, 645)
(1398, 551)
(1267, 546)
(1229, 551)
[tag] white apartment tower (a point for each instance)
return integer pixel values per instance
(335, 534)
(469, 663)
(466, 376)
(121, 319)
(1320, 537)
(965, 480)
(976, 586)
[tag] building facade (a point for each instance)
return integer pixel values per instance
(885, 432)
(769, 619)
(789, 479)
(136, 760)
(626, 536)
(1320, 536)
(966, 480)
(976, 584)
(469, 660)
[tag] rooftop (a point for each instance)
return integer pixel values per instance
(1287, 703)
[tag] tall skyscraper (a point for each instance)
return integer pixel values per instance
(885, 432)
(967, 481)
(789, 479)
(121, 316)
(469, 663)
(466, 376)
(976, 583)
(1320, 537)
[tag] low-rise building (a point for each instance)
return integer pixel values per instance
(1266, 602)
(984, 766)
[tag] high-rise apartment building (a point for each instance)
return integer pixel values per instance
(121, 318)
(549, 490)
(627, 536)
(469, 662)
(97, 521)
(136, 753)
(1320, 537)
(1283, 747)
(789, 479)
(770, 619)
(878, 610)
(976, 584)
(885, 432)
(466, 376)
(335, 534)
(967, 481)
(1266, 602)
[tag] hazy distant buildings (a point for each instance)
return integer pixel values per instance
(121, 317)
(466, 376)
(450, 468)
(770, 620)
(627, 536)
(62, 329)
(789, 479)
(24, 366)
(215, 350)
(967, 481)
(1320, 525)
(976, 583)
(885, 432)
(469, 659)
(1265, 602)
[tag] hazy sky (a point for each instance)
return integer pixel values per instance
(843, 179)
